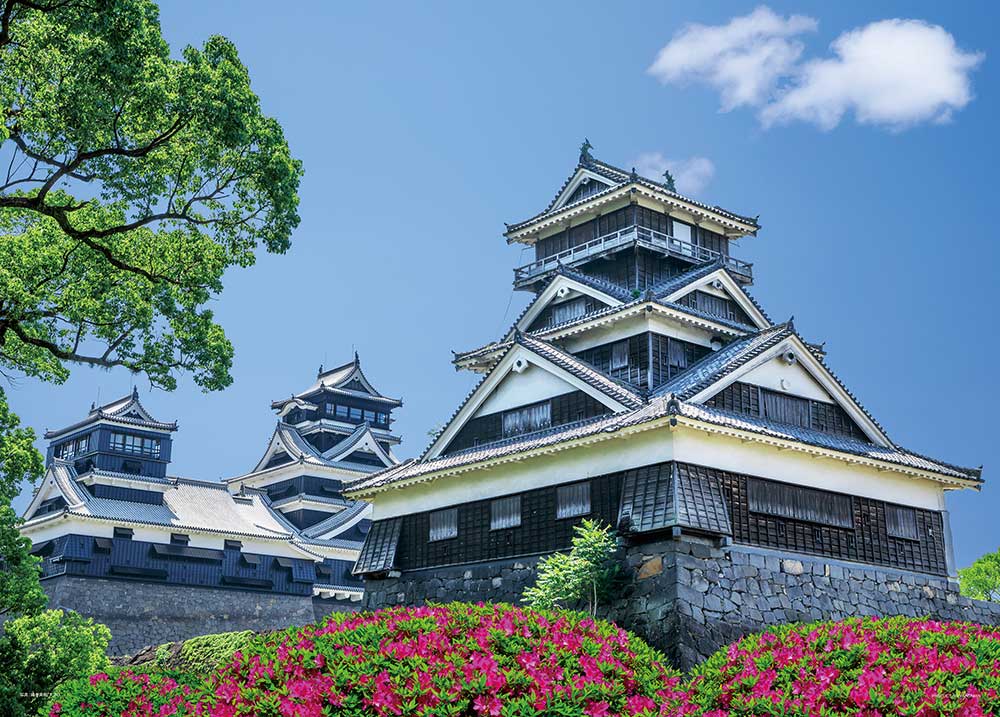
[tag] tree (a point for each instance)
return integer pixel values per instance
(130, 182)
(20, 591)
(41, 651)
(583, 573)
(981, 580)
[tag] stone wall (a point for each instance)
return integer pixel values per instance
(690, 597)
(141, 614)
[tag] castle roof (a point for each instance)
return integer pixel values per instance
(618, 179)
(125, 411)
(682, 399)
(347, 380)
(188, 505)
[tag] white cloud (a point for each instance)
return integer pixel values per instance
(743, 59)
(891, 73)
(690, 175)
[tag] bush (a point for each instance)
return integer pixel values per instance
(584, 573)
(118, 693)
(38, 652)
(867, 667)
(501, 661)
(203, 654)
(438, 660)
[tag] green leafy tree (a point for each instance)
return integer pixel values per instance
(41, 651)
(130, 182)
(20, 591)
(582, 574)
(981, 580)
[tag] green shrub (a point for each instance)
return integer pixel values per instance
(41, 651)
(205, 653)
(434, 661)
(859, 666)
(582, 574)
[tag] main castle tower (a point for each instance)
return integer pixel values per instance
(644, 386)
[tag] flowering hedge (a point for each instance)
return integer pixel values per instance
(501, 661)
(860, 666)
(443, 660)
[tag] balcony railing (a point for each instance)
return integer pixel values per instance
(624, 238)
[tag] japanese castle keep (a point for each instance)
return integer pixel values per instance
(161, 558)
(645, 387)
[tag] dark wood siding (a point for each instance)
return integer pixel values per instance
(565, 408)
(764, 403)
(792, 518)
(549, 315)
(716, 306)
(867, 541)
(539, 531)
(124, 558)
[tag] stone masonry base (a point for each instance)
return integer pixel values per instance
(141, 614)
(689, 597)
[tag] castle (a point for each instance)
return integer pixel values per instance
(643, 386)
(160, 558)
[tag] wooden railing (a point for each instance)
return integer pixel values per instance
(629, 236)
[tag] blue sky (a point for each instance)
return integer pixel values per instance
(423, 129)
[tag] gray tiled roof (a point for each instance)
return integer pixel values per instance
(335, 521)
(620, 177)
(618, 390)
(724, 361)
(889, 454)
(379, 551)
(334, 380)
(657, 407)
(629, 300)
(661, 496)
(121, 411)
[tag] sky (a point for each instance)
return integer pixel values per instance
(861, 133)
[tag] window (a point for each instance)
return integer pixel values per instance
(381, 418)
(124, 533)
(682, 231)
(342, 412)
(786, 409)
(369, 416)
(443, 524)
(568, 310)
(128, 443)
(798, 503)
(356, 413)
(901, 522)
(573, 500)
(619, 355)
(233, 545)
(76, 447)
(505, 513)
(527, 419)
(179, 539)
(330, 409)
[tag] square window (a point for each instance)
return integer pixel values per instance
(505, 513)
(443, 524)
(619, 355)
(125, 533)
(342, 412)
(179, 539)
(573, 500)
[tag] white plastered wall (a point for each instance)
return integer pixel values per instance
(634, 325)
(519, 389)
(655, 446)
(792, 379)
